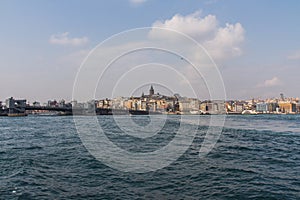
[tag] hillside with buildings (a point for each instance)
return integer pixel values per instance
(154, 103)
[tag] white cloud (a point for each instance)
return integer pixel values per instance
(227, 41)
(220, 42)
(294, 56)
(136, 2)
(64, 39)
(192, 25)
(275, 81)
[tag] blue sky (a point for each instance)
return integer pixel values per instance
(35, 67)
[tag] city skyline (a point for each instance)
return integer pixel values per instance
(141, 93)
(43, 44)
(152, 102)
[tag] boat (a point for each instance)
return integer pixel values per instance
(17, 114)
(249, 112)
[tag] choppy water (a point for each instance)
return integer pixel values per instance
(256, 157)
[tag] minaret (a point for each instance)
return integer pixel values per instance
(151, 91)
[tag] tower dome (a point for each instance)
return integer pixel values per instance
(151, 91)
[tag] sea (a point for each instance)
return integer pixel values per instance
(253, 157)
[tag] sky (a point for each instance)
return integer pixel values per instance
(254, 44)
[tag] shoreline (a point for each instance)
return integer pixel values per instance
(151, 114)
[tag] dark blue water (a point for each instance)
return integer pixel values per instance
(256, 157)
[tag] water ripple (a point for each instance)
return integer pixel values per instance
(256, 157)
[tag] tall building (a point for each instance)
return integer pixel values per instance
(151, 91)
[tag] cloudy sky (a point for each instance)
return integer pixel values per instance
(255, 44)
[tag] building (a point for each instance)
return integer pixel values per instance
(205, 106)
(273, 107)
(298, 107)
(104, 103)
(287, 107)
(52, 103)
(16, 107)
(36, 104)
(118, 103)
(74, 103)
(152, 102)
(262, 107)
(151, 91)
(213, 107)
(238, 107)
(62, 103)
(188, 105)
(184, 106)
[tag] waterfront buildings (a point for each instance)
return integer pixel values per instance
(155, 103)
